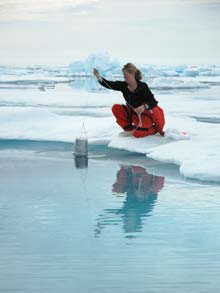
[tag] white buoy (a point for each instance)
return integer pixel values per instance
(81, 147)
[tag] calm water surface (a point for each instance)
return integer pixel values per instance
(117, 223)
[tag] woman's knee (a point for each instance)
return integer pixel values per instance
(119, 111)
(117, 108)
(158, 115)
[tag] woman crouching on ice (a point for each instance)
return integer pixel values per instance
(141, 116)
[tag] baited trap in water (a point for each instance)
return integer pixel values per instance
(81, 154)
(81, 162)
(80, 151)
(81, 147)
(81, 144)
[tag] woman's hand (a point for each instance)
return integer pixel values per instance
(139, 110)
(96, 73)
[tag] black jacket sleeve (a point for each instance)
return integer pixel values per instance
(150, 99)
(113, 85)
(148, 91)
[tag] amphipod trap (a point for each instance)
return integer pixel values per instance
(81, 144)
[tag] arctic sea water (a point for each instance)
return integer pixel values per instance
(120, 221)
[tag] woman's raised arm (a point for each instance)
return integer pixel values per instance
(113, 85)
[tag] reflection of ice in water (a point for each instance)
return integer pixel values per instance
(141, 190)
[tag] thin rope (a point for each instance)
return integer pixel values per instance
(83, 174)
(83, 132)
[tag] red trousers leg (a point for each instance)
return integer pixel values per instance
(121, 114)
(146, 123)
(157, 116)
(142, 133)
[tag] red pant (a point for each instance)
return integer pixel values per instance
(152, 120)
(140, 180)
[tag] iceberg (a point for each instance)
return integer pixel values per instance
(108, 65)
(174, 83)
(100, 60)
(191, 71)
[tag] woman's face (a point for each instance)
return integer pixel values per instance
(129, 77)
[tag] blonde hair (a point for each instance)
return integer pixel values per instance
(131, 68)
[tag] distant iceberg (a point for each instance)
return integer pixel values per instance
(102, 61)
(111, 66)
(174, 83)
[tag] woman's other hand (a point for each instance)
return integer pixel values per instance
(139, 110)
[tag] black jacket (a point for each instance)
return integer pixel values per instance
(141, 95)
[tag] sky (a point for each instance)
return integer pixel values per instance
(58, 32)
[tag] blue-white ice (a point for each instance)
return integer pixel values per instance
(111, 66)
(103, 61)
(51, 103)
(159, 77)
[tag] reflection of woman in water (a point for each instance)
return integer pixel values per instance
(141, 189)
